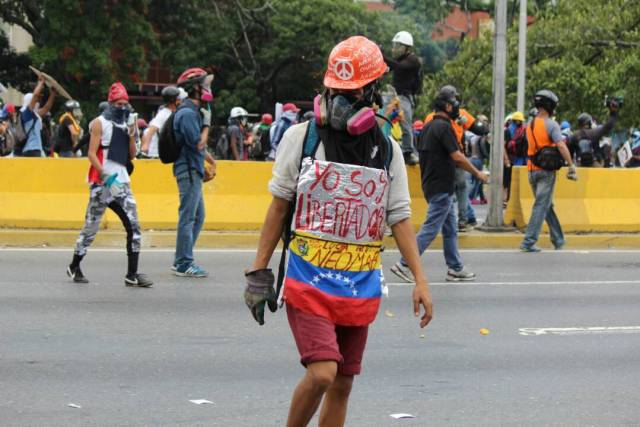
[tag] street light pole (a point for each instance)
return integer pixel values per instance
(495, 215)
(522, 53)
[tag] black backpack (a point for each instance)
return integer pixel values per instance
(168, 148)
(585, 152)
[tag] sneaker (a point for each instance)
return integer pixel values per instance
(190, 270)
(403, 272)
(411, 159)
(138, 280)
(475, 202)
(174, 267)
(460, 276)
(558, 247)
(464, 227)
(531, 249)
(76, 274)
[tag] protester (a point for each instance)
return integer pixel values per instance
(547, 151)
(172, 96)
(9, 135)
(407, 81)
(440, 152)
(478, 154)
(69, 130)
(111, 149)
(330, 304)
(31, 115)
(191, 129)
(585, 141)
(236, 131)
(4, 131)
(289, 117)
(261, 143)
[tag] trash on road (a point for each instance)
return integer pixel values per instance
(399, 416)
(201, 402)
(389, 313)
(73, 405)
(484, 331)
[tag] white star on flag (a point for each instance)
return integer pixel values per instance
(329, 275)
(315, 279)
(338, 276)
(355, 293)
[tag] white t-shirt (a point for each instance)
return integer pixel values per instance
(158, 122)
(110, 167)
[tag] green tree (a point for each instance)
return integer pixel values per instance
(14, 67)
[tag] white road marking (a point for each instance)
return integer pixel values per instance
(597, 330)
(527, 283)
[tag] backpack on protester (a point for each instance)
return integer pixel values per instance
(21, 136)
(168, 148)
(518, 145)
(585, 152)
(547, 158)
(261, 145)
(222, 146)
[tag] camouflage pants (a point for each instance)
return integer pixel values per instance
(123, 205)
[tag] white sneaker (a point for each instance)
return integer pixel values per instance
(460, 276)
(403, 272)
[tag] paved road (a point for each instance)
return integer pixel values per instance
(134, 357)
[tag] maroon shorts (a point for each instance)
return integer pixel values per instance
(319, 339)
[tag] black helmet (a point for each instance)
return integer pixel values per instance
(103, 106)
(71, 104)
(170, 94)
(585, 120)
(545, 99)
(448, 95)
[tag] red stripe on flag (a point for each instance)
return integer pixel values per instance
(340, 310)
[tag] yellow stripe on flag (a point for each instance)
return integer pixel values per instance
(336, 255)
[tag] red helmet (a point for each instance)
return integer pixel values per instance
(267, 119)
(192, 75)
(354, 63)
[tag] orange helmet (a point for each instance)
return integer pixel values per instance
(354, 63)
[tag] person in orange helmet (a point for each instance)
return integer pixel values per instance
(342, 181)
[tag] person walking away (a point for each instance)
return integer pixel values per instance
(172, 96)
(111, 148)
(334, 164)
(261, 143)
(440, 152)
(191, 130)
(288, 118)
(69, 130)
(407, 81)
(31, 115)
(545, 142)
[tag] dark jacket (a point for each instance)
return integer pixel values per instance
(407, 76)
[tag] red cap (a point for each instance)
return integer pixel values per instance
(117, 92)
(142, 123)
(10, 108)
(290, 106)
(267, 119)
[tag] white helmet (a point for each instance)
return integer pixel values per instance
(238, 112)
(403, 37)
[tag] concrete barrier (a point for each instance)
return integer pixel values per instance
(52, 193)
(602, 200)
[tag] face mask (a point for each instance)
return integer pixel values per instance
(243, 121)
(344, 115)
(397, 50)
(455, 110)
(119, 114)
(77, 113)
(206, 96)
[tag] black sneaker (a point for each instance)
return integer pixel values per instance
(76, 274)
(138, 280)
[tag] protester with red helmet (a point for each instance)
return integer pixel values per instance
(350, 182)
(191, 129)
(111, 148)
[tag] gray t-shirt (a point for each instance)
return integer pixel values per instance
(236, 134)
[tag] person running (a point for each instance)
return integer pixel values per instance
(346, 180)
(543, 133)
(111, 148)
(439, 152)
(191, 129)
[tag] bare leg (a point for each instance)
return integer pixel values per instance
(334, 407)
(308, 393)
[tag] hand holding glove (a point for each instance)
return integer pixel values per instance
(206, 117)
(572, 173)
(260, 291)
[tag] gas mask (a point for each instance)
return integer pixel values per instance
(398, 50)
(344, 113)
(207, 95)
(77, 114)
(454, 114)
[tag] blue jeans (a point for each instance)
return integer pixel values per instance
(466, 214)
(441, 216)
(408, 145)
(475, 185)
(542, 184)
(191, 216)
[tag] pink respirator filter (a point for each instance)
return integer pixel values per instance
(362, 121)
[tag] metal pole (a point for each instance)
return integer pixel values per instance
(522, 53)
(495, 216)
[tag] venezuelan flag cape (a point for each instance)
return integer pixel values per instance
(334, 257)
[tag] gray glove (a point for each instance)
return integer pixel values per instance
(260, 291)
(572, 173)
(206, 117)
